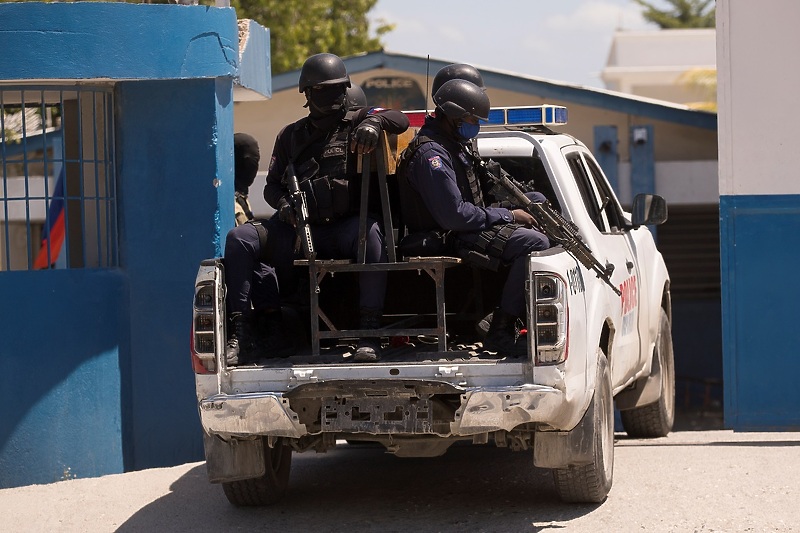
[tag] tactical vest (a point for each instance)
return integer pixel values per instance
(242, 211)
(324, 179)
(415, 214)
(489, 244)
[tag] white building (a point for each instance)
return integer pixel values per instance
(652, 63)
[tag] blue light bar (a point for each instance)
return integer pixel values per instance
(496, 116)
(540, 115)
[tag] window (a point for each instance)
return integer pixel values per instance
(531, 173)
(589, 196)
(609, 206)
(58, 190)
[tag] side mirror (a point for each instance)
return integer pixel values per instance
(648, 209)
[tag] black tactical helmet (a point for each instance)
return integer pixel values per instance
(456, 71)
(459, 99)
(323, 69)
(356, 98)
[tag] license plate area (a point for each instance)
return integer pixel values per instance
(377, 415)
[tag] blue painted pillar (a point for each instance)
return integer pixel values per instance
(606, 151)
(643, 163)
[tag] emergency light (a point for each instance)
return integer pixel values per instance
(538, 115)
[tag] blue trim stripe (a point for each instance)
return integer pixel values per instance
(760, 288)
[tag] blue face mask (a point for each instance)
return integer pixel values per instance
(468, 131)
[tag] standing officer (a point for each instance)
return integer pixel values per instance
(323, 148)
(440, 190)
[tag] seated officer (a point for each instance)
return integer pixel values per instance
(440, 190)
(323, 148)
(245, 167)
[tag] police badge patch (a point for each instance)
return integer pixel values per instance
(436, 162)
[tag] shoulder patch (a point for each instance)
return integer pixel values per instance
(272, 162)
(375, 110)
(436, 162)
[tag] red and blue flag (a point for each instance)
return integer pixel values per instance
(53, 234)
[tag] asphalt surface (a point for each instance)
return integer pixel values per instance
(689, 481)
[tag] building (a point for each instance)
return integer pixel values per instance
(654, 64)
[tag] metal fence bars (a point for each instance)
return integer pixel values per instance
(58, 197)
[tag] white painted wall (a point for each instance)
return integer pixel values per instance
(759, 113)
(679, 182)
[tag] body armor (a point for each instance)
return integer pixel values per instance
(324, 179)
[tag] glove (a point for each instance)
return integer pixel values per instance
(286, 212)
(365, 136)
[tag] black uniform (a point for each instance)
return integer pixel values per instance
(327, 173)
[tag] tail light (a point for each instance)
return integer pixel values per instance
(550, 324)
(204, 329)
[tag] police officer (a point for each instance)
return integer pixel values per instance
(463, 71)
(356, 99)
(323, 148)
(245, 167)
(456, 71)
(440, 189)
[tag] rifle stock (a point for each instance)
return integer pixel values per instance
(550, 221)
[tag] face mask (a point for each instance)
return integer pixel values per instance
(326, 100)
(468, 131)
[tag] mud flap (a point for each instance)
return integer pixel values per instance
(559, 449)
(233, 460)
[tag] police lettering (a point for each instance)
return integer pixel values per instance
(629, 298)
(389, 83)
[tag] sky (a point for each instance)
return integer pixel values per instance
(560, 40)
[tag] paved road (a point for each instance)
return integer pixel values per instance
(689, 481)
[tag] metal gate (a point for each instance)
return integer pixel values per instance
(58, 193)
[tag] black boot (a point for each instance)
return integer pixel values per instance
(240, 341)
(483, 325)
(502, 336)
(272, 339)
(369, 348)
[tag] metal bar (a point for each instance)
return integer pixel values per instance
(96, 181)
(5, 179)
(385, 332)
(315, 337)
(362, 210)
(441, 321)
(45, 173)
(66, 246)
(81, 189)
(111, 181)
(26, 172)
(388, 227)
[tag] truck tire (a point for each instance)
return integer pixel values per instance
(267, 489)
(590, 483)
(656, 419)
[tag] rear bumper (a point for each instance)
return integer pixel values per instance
(481, 411)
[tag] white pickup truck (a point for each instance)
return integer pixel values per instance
(592, 344)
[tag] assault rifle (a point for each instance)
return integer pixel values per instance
(298, 199)
(550, 221)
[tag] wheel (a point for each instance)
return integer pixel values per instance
(270, 487)
(656, 419)
(591, 482)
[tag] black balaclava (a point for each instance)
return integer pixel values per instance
(245, 161)
(326, 104)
